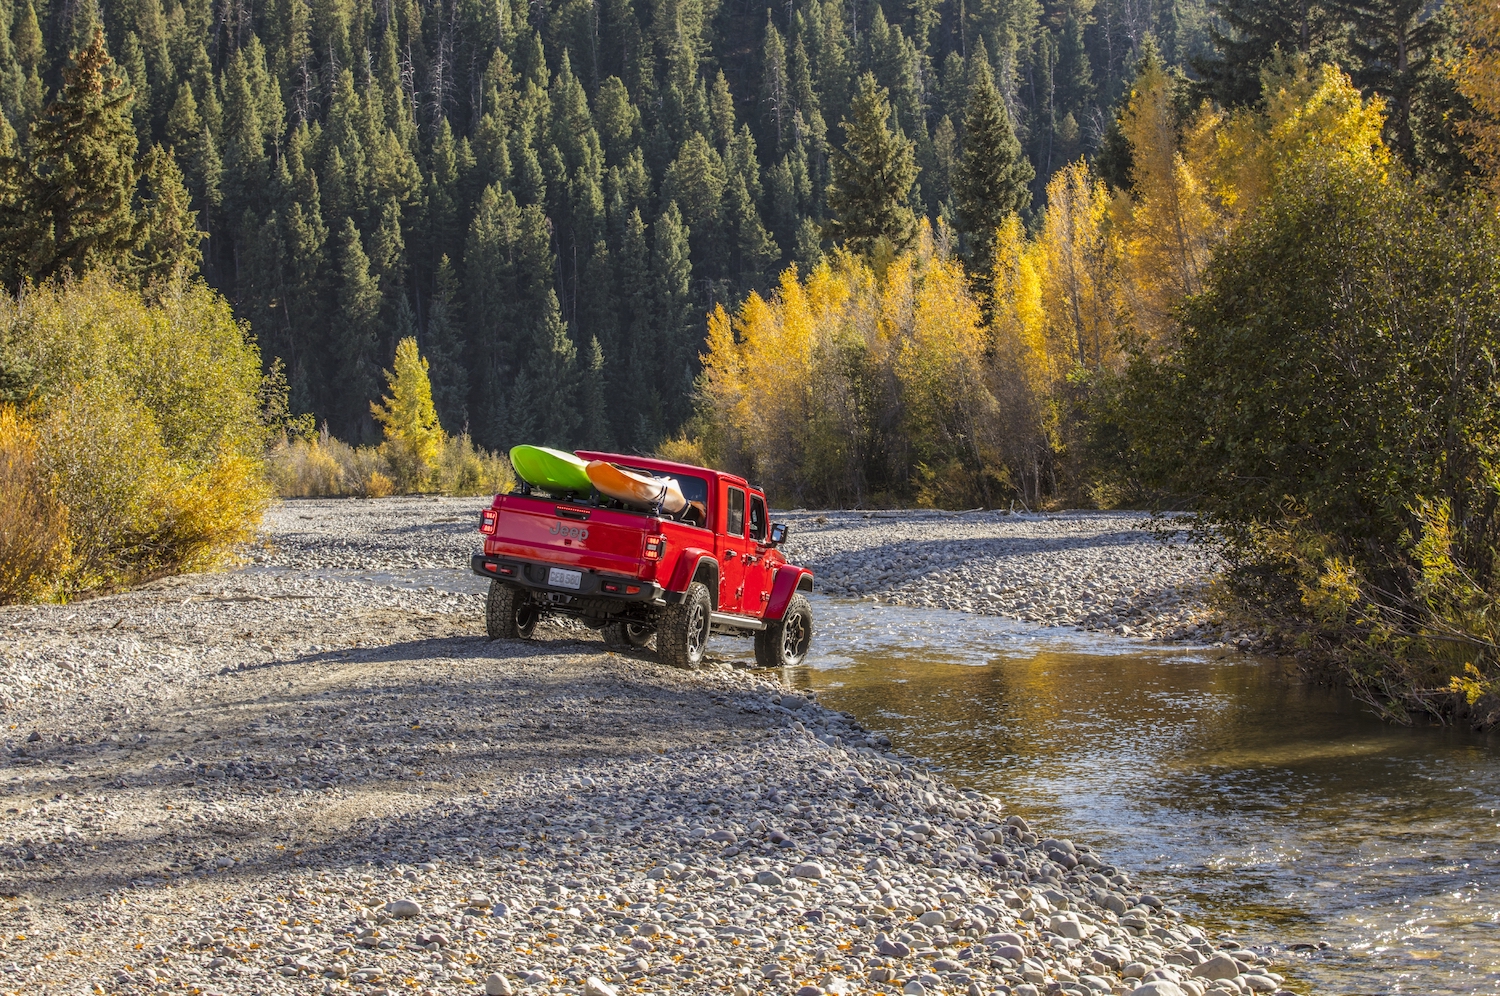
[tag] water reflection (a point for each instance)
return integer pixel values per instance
(1278, 810)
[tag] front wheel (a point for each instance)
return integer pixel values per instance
(509, 614)
(784, 642)
(682, 632)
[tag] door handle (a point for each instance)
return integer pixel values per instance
(730, 554)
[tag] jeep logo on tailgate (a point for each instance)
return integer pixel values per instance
(571, 532)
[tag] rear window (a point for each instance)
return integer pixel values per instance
(694, 489)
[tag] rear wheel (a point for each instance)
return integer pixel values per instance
(682, 633)
(785, 641)
(509, 614)
(626, 634)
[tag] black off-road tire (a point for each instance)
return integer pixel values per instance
(682, 630)
(623, 634)
(509, 614)
(784, 642)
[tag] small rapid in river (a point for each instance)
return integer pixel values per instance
(1281, 812)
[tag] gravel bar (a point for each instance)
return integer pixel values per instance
(1126, 572)
(316, 775)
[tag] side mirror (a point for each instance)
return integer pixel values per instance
(778, 534)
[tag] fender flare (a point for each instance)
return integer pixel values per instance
(690, 563)
(789, 580)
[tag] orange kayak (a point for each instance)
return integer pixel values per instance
(635, 489)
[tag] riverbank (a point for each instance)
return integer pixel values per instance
(1121, 572)
(316, 773)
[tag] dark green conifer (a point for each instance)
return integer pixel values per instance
(993, 178)
(73, 212)
(872, 176)
(166, 227)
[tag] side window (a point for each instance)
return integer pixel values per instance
(757, 518)
(734, 523)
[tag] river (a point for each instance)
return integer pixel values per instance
(1276, 810)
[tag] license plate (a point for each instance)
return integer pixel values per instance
(559, 578)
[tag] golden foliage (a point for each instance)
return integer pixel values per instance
(1079, 259)
(1477, 72)
(875, 379)
(1169, 222)
(413, 435)
(324, 467)
(827, 389)
(33, 523)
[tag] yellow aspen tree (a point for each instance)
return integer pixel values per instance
(413, 436)
(941, 367)
(1080, 255)
(1477, 72)
(1311, 119)
(1170, 225)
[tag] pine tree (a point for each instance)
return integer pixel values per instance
(1253, 30)
(872, 176)
(993, 179)
(166, 227)
(671, 284)
(596, 431)
(26, 35)
(352, 370)
(444, 340)
(73, 211)
(552, 379)
(1394, 42)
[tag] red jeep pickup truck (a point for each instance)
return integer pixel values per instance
(715, 567)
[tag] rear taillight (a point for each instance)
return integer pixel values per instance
(656, 547)
(487, 520)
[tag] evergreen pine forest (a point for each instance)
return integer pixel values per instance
(551, 197)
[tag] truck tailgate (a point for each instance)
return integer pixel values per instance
(597, 539)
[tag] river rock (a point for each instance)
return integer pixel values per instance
(1161, 987)
(1219, 966)
(598, 987)
(932, 918)
(497, 985)
(809, 869)
(404, 909)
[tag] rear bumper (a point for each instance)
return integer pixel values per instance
(594, 590)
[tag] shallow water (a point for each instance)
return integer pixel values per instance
(1278, 811)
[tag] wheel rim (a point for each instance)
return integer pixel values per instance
(526, 618)
(697, 631)
(794, 639)
(637, 634)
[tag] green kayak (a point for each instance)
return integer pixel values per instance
(550, 470)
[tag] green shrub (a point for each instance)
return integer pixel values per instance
(1333, 410)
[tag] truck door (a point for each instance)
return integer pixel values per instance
(757, 572)
(733, 548)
